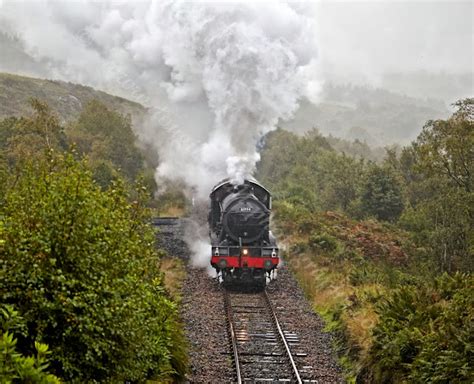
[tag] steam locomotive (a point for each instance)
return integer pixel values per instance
(243, 247)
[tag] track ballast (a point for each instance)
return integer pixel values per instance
(262, 351)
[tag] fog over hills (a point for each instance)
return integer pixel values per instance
(377, 70)
(373, 115)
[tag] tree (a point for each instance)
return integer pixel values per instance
(79, 264)
(106, 137)
(439, 166)
(341, 180)
(31, 137)
(381, 194)
(446, 147)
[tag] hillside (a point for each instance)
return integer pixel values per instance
(66, 99)
(375, 116)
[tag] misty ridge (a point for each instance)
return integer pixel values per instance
(215, 78)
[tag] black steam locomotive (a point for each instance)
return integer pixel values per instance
(243, 247)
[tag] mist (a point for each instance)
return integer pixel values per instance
(218, 76)
(363, 41)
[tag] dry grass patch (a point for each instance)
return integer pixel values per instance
(174, 273)
(359, 324)
(173, 211)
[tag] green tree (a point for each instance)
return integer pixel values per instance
(446, 147)
(381, 194)
(31, 137)
(79, 264)
(106, 137)
(438, 169)
(341, 178)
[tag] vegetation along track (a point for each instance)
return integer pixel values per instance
(262, 351)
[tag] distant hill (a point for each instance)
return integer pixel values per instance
(422, 84)
(375, 116)
(66, 99)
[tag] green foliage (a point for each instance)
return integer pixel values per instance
(31, 137)
(358, 149)
(438, 170)
(443, 224)
(446, 147)
(366, 273)
(425, 334)
(323, 241)
(80, 266)
(108, 140)
(14, 367)
(428, 186)
(307, 172)
(101, 134)
(381, 194)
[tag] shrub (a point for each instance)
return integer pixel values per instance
(323, 241)
(15, 367)
(79, 264)
(425, 334)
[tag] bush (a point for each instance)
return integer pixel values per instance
(15, 367)
(425, 334)
(80, 266)
(323, 241)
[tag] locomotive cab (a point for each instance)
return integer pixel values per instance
(243, 247)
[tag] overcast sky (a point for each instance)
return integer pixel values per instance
(357, 41)
(367, 38)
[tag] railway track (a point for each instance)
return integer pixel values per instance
(262, 351)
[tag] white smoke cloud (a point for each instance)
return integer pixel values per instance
(217, 76)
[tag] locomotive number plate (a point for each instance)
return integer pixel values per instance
(245, 209)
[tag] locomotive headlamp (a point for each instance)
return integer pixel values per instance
(245, 251)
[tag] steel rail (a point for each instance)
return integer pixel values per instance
(232, 336)
(282, 337)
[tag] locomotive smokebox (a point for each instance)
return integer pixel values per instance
(244, 218)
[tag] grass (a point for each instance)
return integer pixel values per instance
(346, 309)
(174, 274)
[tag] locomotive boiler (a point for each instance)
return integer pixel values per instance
(243, 247)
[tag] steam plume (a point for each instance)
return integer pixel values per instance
(216, 76)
